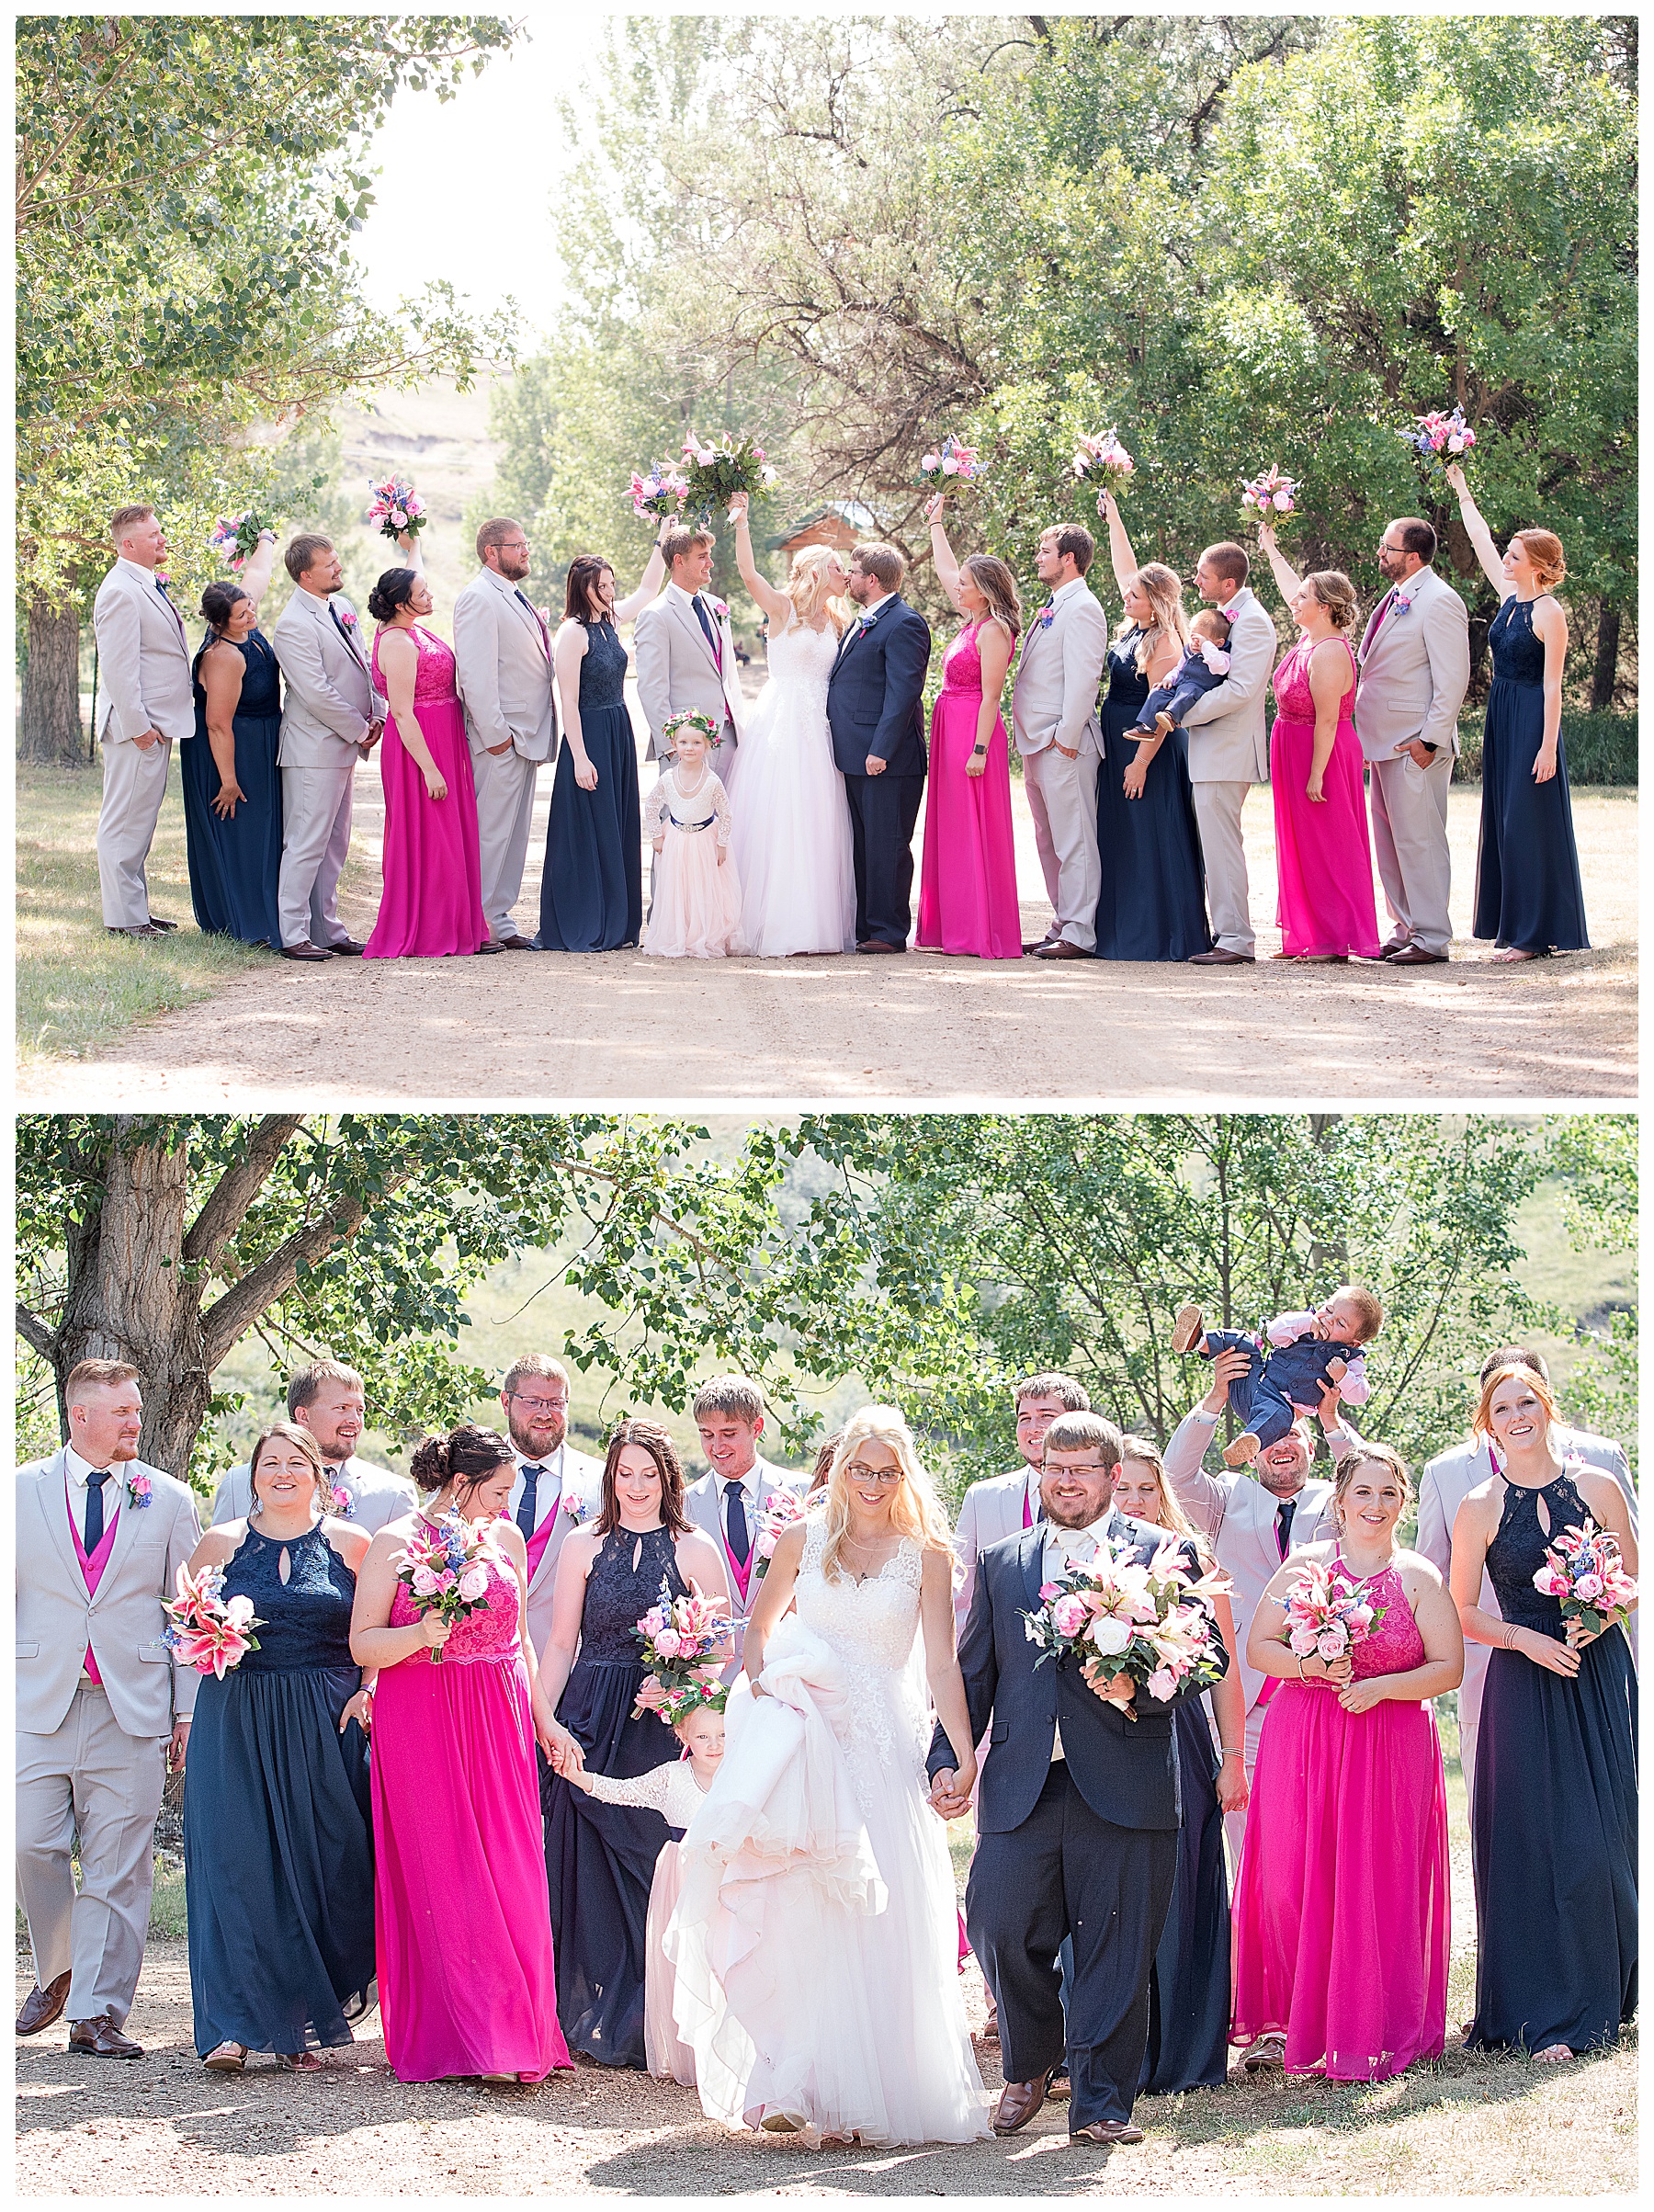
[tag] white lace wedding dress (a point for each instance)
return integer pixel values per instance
(815, 1936)
(791, 840)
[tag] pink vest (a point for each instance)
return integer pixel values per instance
(1027, 1507)
(93, 1567)
(541, 1539)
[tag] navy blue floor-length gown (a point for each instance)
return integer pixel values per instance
(592, 890)
(234, 865)
(1189, 1987)
(1153, 901)
(1528, 892)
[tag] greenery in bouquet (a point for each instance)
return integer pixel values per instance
(715, 469)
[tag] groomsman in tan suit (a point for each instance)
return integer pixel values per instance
(686, 651)
(1415, 670)
(329, 1400)
(147, 700)
(1058, 731)
(102, 1711)
(1228, 751)
(557, 1488)
(730, 1503)
(1003, 1505)
(502, 658)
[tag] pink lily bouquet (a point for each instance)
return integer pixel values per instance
(662, 493)
(236, 536)
(1583, 1567)
(676, 1635)
(396, 506)
(714, 471)
(779, 1514)
(1119, 1615)
(208, 1632)
(1102, 460)
(1324, 1620)
(443, 1571)
(1269, 492)
(1438, 439)
(950, 465)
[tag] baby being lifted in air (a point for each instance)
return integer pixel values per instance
(1202, 669)
(1292, 1361)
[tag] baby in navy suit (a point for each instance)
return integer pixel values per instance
(1292, 1362)
(1201, 670)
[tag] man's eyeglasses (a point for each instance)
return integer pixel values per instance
(538, 1405)
(887, 1476)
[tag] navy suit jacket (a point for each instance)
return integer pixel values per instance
(1126, 1770)
(876, 694)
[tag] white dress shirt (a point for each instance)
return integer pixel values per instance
(114, 1489)
(1066, 1547)
(548, 1496)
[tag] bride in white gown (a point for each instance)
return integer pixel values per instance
(792, 821)
(815, 1937)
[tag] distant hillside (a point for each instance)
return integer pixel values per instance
(438, 436)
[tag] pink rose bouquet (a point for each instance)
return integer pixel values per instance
(1269, 492)
(1150, 1621)
(1438, 439)
(235, 536)
(1102, 460)
(663, 492)
(950, 465)
(1324, 1619)
(714, 470)
(1583, 1567)
(396, 506)
(444, 1571)
(780, 1514)
(676, 1635)
(208, 1632)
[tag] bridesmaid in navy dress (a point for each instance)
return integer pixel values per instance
(232, 783)
(1153, 901)
(1528, 894)
(600, 1859)
(278, 1858)
(592, 885)
(1554, 1827)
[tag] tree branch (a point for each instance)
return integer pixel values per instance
(227, 1202)
(35, 1335)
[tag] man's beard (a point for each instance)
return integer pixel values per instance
(1084, 1516)
(523, 1439)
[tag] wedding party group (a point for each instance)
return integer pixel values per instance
(786, 824)
(567, 1761)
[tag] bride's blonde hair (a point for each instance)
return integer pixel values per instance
(808, 588)
(915, 1510)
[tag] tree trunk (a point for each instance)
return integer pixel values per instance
(51, 716)
(1608, 658)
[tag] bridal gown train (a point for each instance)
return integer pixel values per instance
(815, 1936)
(791, 827)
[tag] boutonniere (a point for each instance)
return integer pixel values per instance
(342, 1504)
(1398, 605)
(576, 1508)
(348, 618)
(1046, 617)
(139, 1490)
(721, 610)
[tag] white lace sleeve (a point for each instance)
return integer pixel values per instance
(720, 809)
(654, 809)
(643, 1790)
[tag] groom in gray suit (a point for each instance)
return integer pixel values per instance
(687, 652)
(102, 1710)
(503, 655)
(331, 717)
(1228, 751)
(1059, 737)
(144, 659)
(1415, 669)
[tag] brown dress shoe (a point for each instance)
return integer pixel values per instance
(157, 922)
(517, 942)
(304, 951)
(1218, 958)
(343, 945)
(878, 945)
(1061, 949)
(1106, 2131)
(1019, 2101)
(43, 2006)
(1392, 946)
(1415, 956)
(102, 2039)
(141, 929)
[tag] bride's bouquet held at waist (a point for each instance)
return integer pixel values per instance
(1119, 1615)
(676, 1638)
(443, 1571)
(208, 1630)
(1325, 1619)
(1583, 1567)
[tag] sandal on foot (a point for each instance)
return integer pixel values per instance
(298, 2062)
(227, 2059)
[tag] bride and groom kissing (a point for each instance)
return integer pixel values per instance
(826, 770)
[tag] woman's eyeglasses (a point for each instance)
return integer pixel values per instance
(888, 1477)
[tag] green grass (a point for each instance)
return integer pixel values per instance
(1599, 748)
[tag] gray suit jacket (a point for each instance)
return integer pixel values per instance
(1415, 668)
(1229, 742)
(988, 1512)
(1058, 674)
(703, 1501)
(376, 1495)
(504, 658)
(581, 1480)
(677, 673)
(330, 700)
(1445, 1485)
(123, 1623)
(142, 658)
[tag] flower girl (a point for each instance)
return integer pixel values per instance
(674, 1791)
(696, 905)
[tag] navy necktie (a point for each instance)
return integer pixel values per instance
(705, 623)
(534, 611)
(741, 1543)
(95, 1508)
(528, 1505)
(166, 601)
(1284, 1513)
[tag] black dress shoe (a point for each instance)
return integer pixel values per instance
(1218, 958)
(141, 929)
(348, 945)
(103, 2039)
(43, 2006)
(304, 951)
(517, 942)
(878, 945)
(156, 923)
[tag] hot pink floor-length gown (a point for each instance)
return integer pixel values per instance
(1324, 860)
(432, 901)
(968, 875)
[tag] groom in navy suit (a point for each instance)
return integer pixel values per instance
(1077, 1811)
(876, 710)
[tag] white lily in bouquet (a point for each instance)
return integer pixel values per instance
(1149, 1621)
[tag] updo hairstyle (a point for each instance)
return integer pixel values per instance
(1334, 592)
(466, 1458)
(219, 602)
(390, 595)
(1544, 549)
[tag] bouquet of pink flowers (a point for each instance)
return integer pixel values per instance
(1324, 1619)
(443, 1570)
(663, 492)
(1438, 439)
(781, 1512)
(235, 536)
(1102, 460)
(1583, 1567)
(714, 471)
(396, 506)
(677, 1634)
(1269, 492)
(208, 1632)
(688, 1697)
(1120, 1616)
(950, 465)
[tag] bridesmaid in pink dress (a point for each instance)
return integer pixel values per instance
(432, 902)
(1341, 1920)
(968, 873)
(462, 1921)
(1323, 858)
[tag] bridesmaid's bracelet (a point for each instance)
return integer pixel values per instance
(1512, 1633)
(1233, 1750)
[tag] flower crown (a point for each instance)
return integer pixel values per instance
(702, 723)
